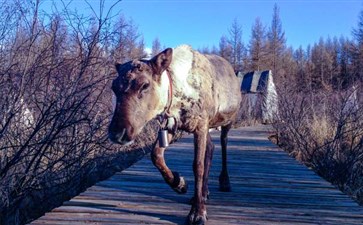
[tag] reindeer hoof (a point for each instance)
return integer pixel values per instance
(195, 219)
(179, 185)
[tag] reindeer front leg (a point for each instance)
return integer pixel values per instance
(173, 179)
(198, 212)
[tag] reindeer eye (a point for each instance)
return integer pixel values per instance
(138, 66)
(145, 86)
(143, 89)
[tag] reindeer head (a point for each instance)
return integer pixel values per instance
(141, 91)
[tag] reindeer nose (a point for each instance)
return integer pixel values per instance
(119, 137)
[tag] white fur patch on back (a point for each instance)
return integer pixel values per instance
(163, 91)
(181, 65)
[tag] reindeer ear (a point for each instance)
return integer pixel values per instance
(162, 61)
(122, 69)
(118, 67)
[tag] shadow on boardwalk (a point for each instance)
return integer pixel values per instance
(268, 187)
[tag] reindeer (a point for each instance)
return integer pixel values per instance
(186, 91)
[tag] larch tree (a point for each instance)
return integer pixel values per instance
(128, 42)
(276, 42)
(358, 31)
(238, 49)
(257, 46)
(357, 50)
(301, 76)
(156, 47)
(225, 49)
(346, 69)
(322, 59)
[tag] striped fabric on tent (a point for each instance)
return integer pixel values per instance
(259, 92)
(255, 82)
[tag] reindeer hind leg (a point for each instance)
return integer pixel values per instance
(224, 184)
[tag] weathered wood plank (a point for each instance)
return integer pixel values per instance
(268, 187)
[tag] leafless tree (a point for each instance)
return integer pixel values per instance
(237, 47)
(225, 49)
(55, 104)
(258, 47)
(156, 47)
(276, 43)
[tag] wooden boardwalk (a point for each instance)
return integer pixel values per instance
(268, 187)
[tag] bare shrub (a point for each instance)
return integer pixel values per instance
(324, 130)
(55, 106)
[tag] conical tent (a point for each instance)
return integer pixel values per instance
(259, 92)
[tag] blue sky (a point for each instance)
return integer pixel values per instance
(201, 23)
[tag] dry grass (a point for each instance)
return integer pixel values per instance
(325, 132)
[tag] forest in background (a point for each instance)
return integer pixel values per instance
(55, 75)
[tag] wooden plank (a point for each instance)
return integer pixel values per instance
(268, 187)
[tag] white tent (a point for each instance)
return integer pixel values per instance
(259, 95)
